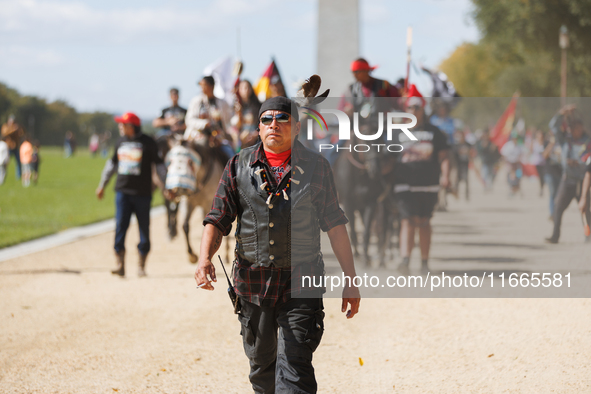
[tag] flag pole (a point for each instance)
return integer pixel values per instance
(238, 42)
(408, 48)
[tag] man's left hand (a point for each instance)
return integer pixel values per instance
(444, 182)
(352, 297)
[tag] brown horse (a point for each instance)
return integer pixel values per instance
(208, 171)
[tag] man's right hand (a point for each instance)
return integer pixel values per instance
(204, 269)
(100, 192)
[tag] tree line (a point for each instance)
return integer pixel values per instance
(48, 122)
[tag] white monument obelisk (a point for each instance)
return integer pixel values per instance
(338, 43)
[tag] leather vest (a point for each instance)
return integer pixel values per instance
(283, 233)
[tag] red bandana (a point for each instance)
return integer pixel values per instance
(278, 162)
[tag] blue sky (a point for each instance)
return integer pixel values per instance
(124, 55)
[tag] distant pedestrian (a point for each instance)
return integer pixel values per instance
(36, 161)
(489, 157)
(4, 159)
(12, 133)
(69, 144)
(512, 152)
(93, 144)
(104, 143)
(443, 121)
(570, 132)
(584, 199)
(537, 159)
(134, 155)
(552, 169)
(26, 154)
(462, 152)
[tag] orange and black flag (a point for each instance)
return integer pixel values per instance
(270, 77)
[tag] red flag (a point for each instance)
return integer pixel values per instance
(499, 134)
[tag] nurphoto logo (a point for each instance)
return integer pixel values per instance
(344, 127)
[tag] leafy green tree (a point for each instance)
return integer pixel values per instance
(519, 49)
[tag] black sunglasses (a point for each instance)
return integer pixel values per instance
(280, 118)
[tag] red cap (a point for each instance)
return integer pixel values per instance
(128, 117)
(414, 97)
(361, 65)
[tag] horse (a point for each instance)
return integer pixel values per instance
(364, 186)
(207, 169)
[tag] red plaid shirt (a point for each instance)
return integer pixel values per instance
(266, 285)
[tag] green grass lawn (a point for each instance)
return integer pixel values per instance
(63, 198)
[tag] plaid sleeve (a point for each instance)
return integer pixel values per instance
(330, 213)
(225, 202)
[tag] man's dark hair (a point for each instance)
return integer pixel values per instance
(209, 80)
(174, 90)
(137, 129)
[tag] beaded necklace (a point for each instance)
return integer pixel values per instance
(265, 184)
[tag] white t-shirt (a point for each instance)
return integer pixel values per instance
(4, 153)
(511, 152)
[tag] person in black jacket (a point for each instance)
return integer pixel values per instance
(135, 153)
(282, 196)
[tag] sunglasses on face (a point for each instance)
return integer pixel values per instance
(280, 118)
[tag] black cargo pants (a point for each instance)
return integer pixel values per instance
(567, 191)
(279, 342)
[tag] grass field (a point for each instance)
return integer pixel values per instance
(64, 197)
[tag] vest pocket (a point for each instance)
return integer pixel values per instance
(247, 247)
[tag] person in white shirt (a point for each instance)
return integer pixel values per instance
(4, 159)
(512, 152)
(208, 119)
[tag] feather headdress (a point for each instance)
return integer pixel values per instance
(306, 96)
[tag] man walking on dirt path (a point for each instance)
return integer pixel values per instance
(276, 248)
(135, 153)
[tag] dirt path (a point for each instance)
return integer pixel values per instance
(69, 326)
